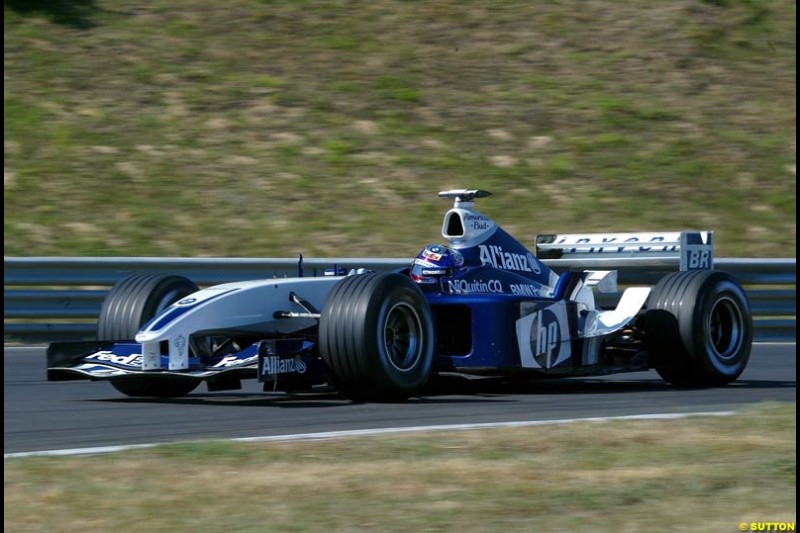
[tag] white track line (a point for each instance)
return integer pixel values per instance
(326, 435)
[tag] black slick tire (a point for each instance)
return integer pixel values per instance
(699, 329)
(376, 337)
(127, 307)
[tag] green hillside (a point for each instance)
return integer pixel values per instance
(264, 128)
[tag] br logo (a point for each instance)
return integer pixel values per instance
(545, 338)
(699, 259)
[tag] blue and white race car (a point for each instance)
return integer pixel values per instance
(480, 305)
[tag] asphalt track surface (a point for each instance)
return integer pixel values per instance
(39, 415)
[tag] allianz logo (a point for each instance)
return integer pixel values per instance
(498, 258)
(273, 365)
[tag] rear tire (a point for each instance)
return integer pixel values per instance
(376, 337)
(699, 329)
(129, 305)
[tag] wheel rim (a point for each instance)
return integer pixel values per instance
(725, 327)
(402, 336)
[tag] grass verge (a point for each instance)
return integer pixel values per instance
(264, 128)
(705, 474)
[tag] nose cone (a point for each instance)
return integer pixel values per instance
(146, 336)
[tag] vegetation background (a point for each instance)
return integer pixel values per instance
(264, 128)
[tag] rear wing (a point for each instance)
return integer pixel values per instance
(693, 250)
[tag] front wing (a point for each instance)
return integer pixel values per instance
(268, 360)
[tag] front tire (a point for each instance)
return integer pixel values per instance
(699, 329)
(129, 305)
(376, 337)
(135, 300)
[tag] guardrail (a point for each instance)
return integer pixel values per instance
(46, 299)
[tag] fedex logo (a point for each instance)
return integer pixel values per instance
(431, 255)
(134, 359)
(232, 360)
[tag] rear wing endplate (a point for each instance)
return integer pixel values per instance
(693, 250)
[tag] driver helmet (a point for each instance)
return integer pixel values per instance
(434, 262)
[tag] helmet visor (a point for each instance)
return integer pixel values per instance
(427, 274)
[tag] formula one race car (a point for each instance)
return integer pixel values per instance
(482, 305)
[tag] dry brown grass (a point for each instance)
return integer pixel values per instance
(266, 128)
(705, 474)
